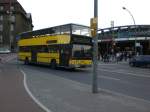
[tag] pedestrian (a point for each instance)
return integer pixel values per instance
(117, 56)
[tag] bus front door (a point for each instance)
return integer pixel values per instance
(34, 56)
(64, 58)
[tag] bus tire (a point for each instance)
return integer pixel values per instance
(26, 61)
(53, 64)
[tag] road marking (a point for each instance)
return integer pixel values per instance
(121, 94)
(148, 76)
(111, 78)
(107, 64)
(31, 95)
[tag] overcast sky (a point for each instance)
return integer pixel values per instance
(48, 13)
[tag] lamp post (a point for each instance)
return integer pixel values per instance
(124, 8)
(95, 48)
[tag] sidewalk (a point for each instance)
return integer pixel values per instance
(64, 95)
(13, 97)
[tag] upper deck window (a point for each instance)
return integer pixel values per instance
(57, 30)
(80, 30)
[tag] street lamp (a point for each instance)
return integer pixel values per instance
(124, 8)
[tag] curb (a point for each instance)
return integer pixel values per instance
(31, 95)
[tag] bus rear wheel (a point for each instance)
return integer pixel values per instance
(53, 64)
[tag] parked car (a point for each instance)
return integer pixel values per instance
(141, 60)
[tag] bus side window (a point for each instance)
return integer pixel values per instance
(42, 49)
(24, 49)
(53, 49)
(46, 49)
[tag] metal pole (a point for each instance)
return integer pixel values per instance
(95, 52)
(124, 8)
(113, 38)
(10, 33)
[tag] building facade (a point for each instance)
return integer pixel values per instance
(13, 20)
(130, 38)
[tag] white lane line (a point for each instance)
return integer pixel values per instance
(31, 95)
(107, 64)
(111, 78)
(126, 73)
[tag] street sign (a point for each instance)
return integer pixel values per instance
(112, 23)
(93, 26)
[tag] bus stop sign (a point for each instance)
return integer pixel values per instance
(93, 26)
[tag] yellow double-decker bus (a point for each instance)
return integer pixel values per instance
(68, 46)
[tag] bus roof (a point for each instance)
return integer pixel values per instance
(66, 28)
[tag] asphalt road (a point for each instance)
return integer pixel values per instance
(118, 78)
(126, 80)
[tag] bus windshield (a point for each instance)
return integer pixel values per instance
(80, 30)
(81, 51)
